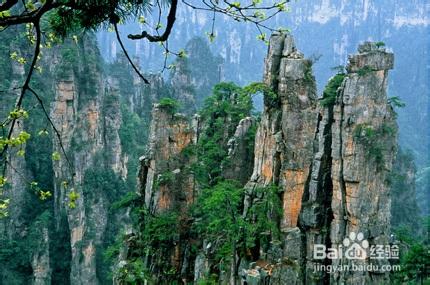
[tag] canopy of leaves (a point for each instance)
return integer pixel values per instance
(221, 114)
(331, 90)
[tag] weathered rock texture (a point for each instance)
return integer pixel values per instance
(23, 238)
(240, 148)
(330, 163)
(283, 151)
(86, 111)
(166, 182)
(363, 150)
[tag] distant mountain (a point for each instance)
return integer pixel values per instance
(327, 28)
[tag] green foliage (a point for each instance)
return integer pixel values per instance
(68, 61)
(331, 90)
(380, 44)
(364, 71)
(155, 241)
(166, 178)
(373, 141)
(125, 201)
(127, 133)
(222, 113)
(414, 257)
(4, 204)
(396, 102)
(271, 99)
(73, 197)
(168, 104)
(309, 78)
(15, 253)
(133, 140)
(133, 272)
(263, 216)
(65, 21)
(404, 209)
(219, 220)
(101, 181)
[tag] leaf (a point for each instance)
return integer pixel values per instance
(142, 20)
(182, 53)
(43, 133)
(14, 55)
(261, 37)
(211, 37)
(5, 14)
(56, 156)
(235, 4)
(3, 181)
(44, 195)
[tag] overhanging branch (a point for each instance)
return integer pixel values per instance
(127, 56)
(170, 22)
(25, 86)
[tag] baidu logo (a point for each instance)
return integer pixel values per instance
(355, 246)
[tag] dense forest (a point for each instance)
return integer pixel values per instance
(210, 170)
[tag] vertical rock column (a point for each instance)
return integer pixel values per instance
(167, 184)
(170, 134)
(283, 145)
(363, 150)
(86, 112)
(316, 214)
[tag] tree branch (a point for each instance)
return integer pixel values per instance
(25, 86)
(126, 54)
(60, 141)
(31, 17)
(7, 5)
(170, 22)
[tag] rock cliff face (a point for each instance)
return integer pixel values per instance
(364, 145)
(239, 149)
(103, 117)
(329, 160)
(283, 152)
(331, 163)
(164, 177)
(87, 114)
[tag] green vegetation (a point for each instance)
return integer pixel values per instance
(220, 222)
(331, 90)
(309, 78)
(380, 44)
(373, 141)
(14, 253)
(169, 104)
(222, 113)
(125, 201)
(404, 209)
(201, 65)
(396, 102)
(414, 256)
(216, 216)
(364, 71)
(219, 219)
(157, 237)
